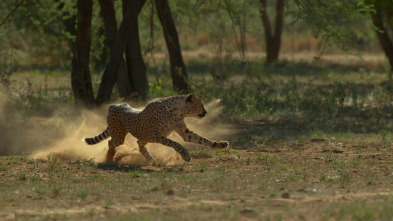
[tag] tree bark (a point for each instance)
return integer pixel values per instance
(135, 65)
(124, 86)
(178, 69)
(383, 37)
(116, 53)
(273, 40)
(80, 73)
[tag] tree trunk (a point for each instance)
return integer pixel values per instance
(273, 40)
(383, 37)
(80, 73)
(124, 86)
(116, 53)
(135, 65)
(178, 69)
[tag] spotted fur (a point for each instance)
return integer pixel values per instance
(153, 124)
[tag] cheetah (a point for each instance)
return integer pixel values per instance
(160, 117)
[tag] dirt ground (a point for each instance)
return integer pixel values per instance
(312, 179)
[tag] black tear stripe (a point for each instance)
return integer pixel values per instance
(189, 137)
(187, 130)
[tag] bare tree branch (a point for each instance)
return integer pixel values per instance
(240, 45)
(12, 12)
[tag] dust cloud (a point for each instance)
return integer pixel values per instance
(61, 135)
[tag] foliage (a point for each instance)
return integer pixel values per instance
(38, 28)
(44, 39)
(337, 21)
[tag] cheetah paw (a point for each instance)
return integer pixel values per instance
(154, 163)
(186, 156)
(221, 144)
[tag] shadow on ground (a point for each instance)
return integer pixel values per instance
(349, 121)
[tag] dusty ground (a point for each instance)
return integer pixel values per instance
(311, 179)
(285, 166)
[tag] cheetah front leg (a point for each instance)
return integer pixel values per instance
(192, 137)
(170, 143)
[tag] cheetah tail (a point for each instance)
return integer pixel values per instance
(94, 140)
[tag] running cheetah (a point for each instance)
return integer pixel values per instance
(153, 124)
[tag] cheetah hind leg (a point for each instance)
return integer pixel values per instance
(117, 140)
(144, 152)
(111, 151)
(113, 143)
(120, 156)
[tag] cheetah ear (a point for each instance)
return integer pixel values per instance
(189, 97)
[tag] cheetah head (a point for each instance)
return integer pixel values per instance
(194, 107)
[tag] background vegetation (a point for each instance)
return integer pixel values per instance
(223, 44)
